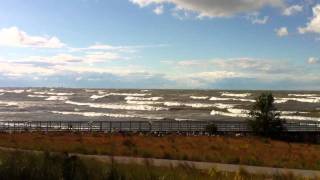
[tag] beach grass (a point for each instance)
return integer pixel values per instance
(21, 165)
(224, 149)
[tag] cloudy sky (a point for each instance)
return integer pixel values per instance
(225, 44)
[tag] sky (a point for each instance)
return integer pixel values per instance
(185, 44)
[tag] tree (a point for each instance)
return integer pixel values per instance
(211, 129)
(265, 120)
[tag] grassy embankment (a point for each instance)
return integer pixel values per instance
(224, 149)
(17, 165)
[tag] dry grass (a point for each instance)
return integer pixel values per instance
(235, 150)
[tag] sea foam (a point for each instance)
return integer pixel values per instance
(119, 106)
(199, 97)
(235, 94)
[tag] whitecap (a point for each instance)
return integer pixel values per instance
(97, 96)
(17, 91)
(302, 118)
(98, 114)
(172, 104)
(182, 119)
(143, 102)
(127, 94)
(197, 105)
(54, 94)
(199, 97)
(9, 103)
(238, 111)
(230, 99)
(90, 90)
(278, 101)
(305, 100)
(292, 112)
(93, 114)
(232, 112)
(142, 98)
(37, 96)
(119, 106)
(216, 105)
(235, 94)
(302, 95)
(56, 98)
(229, 114)
(103, 94)
(224, 106)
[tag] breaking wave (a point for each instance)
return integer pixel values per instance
(103, 94)
(98, 114)
(199, 97)
(143, 102)
(304, 100)
(142, 98)
(17, 91)
(93, 114)
(231, 99)
(302, 95)
(9, 103)
(37, 96)
(231, 113)
(119, 106)
(302, 118)
(52, 93)
(235, 94)
(57, 98)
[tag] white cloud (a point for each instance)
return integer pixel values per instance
(64, 59)
(108, 47)
(119, 71)
(213, 8)
(201, 73)
(313, 60)
(313, 26)
(283, 31)
(291, 10)
(255, 19)
(56, 59)
(99, 56)
(190, 63)
(15, 37)
(215, 75)
(16, 69)
(158, 10)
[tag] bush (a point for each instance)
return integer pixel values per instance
(265, 120)
(211, 129)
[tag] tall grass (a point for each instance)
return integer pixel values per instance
(233, 150)
(18, 165)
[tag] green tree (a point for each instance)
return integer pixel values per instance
(265, 120)
(211, 129)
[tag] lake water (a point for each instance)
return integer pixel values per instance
(136, 104)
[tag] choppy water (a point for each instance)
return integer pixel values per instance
(113, 104)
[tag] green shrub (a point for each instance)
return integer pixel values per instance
(211, 129)
(265, 119)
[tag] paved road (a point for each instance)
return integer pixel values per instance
(197, 165)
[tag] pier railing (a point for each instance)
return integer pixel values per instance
(145, 126)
